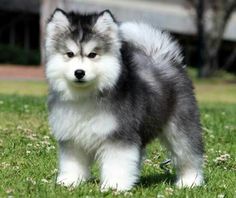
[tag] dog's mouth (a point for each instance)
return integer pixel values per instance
(82, 83)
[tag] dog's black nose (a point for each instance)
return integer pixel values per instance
(79, 74)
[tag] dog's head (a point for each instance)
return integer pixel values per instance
(82, 52)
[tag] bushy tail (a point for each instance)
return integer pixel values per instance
(154, 43)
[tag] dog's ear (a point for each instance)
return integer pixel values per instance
(107, 16)
(106, 23)
(57, 22)
(59, 17)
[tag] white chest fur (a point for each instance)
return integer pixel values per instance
(87, 123)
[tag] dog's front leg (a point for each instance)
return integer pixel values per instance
(120, 164)
(74, 164)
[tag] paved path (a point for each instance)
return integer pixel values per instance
(21, 72)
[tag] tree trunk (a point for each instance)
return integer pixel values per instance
(211, 31)
(210, 64)
(229, 62)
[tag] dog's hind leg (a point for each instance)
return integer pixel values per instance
(187, 153)
(74, 164)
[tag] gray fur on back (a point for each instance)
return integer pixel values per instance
(152, 91)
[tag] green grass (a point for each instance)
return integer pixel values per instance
(28, 153)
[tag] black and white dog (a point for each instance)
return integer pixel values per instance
(114, 87)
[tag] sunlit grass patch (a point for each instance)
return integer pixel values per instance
(216, 93)
(21, 87)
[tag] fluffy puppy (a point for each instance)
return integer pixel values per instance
(114, 87)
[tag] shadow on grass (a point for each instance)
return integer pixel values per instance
(147, 181)
(152, 180)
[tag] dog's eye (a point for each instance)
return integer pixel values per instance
(70, 54)
(92, 55)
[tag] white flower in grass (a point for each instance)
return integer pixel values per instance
(222, 158)
(16, 167)
(54, 171)
(46, 137)
(230, 127)
(28, 152)
(156, 157)
(31, 180)
(45, 142)
(128, 193)
(205, 162)
(147, 161)
(221, 196)
(115, 192)
(206, 115)
(29, 131)
(19, 127)
(169, 191)
(4, 165)
(51, 148)
(4, 129)
(227, 127)
(160, 196)
(212, 136)
(26, 108)
(156, 165)
(211, 150)
(44, 181)
(32, 136)
(9, 191)
(37, 145)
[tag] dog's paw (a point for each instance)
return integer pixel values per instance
(69, 180)
(115, 185)
(190, 180)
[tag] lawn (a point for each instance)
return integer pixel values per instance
(28, 152)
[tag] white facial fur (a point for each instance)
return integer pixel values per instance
(101, 72)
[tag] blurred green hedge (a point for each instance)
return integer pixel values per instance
(18, 55)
